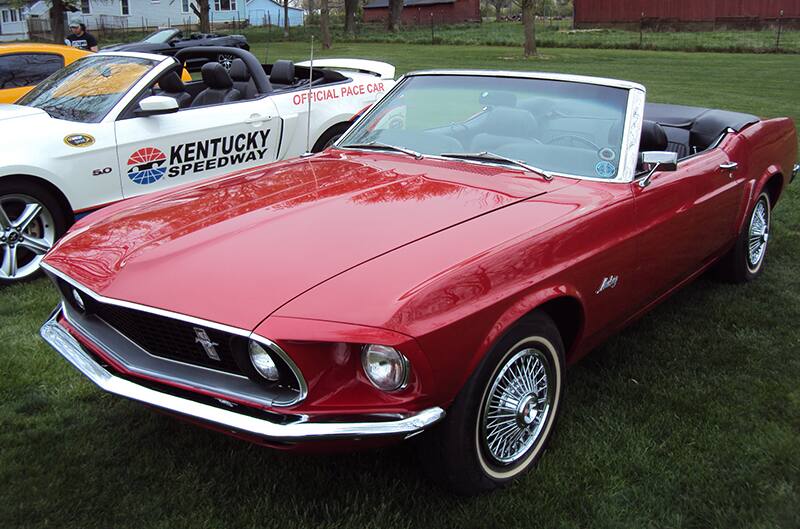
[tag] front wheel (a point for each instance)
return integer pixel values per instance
(745, 261)
(500, 424)
(30, 222)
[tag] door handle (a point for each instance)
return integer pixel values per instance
(256, 118)
(730, 166)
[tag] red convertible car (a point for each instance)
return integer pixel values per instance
(436, 269)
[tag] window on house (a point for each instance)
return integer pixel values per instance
(14, 15)
(126, 9)
(5, 15)
(86, 8)
(225, 5)
(185, 7)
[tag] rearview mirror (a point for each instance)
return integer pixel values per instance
(156, 105)
(654, 161)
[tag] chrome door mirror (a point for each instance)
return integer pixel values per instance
(653, 161)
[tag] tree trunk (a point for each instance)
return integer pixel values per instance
(324, 24)
(203, 15)
(350, 7)
(529, 21)
(395, 10)
(285, 18)
(497, 8)
(57, 21)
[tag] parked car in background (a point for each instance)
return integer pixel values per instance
(118, 124)
(169, 41)
(437, 268)
(23, 66)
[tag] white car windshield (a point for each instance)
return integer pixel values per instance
(558, 127)
(88, 89)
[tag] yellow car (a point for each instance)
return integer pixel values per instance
(23, 66)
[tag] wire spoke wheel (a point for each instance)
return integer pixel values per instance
(27, 232)
(517, 407)
(758, 235)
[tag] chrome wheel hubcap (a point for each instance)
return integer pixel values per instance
(758, 235)
(226, 61)
(27, 232)
(518, 406)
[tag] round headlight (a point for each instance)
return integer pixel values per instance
(385, 367)
(262, 362)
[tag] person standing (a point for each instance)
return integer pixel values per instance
(80, 38)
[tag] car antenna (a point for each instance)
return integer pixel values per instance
(310, 78)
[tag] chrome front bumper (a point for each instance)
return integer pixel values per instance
(795, 171)
(302, 430)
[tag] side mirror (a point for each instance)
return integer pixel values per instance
(654, 161)
(155, 106)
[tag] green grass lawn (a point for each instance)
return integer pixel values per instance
(690, 418)
(550, 35)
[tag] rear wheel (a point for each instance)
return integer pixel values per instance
(745, 260)
(226, 60)
(31, 220)
(500, 423)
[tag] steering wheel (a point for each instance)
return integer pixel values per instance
(574, 139)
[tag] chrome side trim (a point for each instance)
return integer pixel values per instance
(63, 342)
(196, 321)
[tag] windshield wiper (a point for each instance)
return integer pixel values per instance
(384, 146)
(492, 157)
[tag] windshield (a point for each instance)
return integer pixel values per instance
(162, 36)
(561, 127)
(87, 89)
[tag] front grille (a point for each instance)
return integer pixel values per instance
(167, 337)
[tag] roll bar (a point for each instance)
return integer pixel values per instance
(257, 73)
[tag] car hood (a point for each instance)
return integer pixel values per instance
(235, 249)
(18, 111)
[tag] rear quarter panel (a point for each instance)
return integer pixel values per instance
(771, 149)
(330, 105)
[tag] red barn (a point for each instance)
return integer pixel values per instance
(416, 12)
(747, 13)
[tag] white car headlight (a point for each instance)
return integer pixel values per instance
(385, 367)
(263, 362)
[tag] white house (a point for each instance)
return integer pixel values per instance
(113, 14)
(12, 23)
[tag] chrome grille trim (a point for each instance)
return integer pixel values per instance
(272, 346)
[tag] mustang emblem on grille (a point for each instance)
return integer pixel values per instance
(201, 337)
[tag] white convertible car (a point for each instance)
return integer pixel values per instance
(116, 125)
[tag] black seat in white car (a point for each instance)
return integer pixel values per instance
(220, 86)
(172, 86)
(242, 80)
(282, 73)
